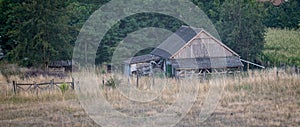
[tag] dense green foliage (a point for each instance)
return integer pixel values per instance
(284, 16)
(241, 27)
(128, 25)
(282, 47)
(35, 32)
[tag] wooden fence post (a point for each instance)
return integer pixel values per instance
(103, 83)
(277, 75)
(137, 80)
(234, 75)
(52, 84)
(14, 87)
(153, 82)
(72, 84)
(36, 88)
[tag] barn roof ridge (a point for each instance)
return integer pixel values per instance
(179, 38)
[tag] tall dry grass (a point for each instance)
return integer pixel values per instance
(256, 98)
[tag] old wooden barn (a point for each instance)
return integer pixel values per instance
(188, 51)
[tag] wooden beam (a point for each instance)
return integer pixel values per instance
(248, 62)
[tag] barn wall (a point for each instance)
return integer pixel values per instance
(203, 46)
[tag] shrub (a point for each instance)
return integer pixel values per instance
(64, 87)
(103, 72)
(112, 82)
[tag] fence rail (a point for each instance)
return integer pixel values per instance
(39, 86)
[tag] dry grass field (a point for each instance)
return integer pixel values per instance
(256, 98)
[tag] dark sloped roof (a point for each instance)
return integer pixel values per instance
(205, 63)
(141, 59)
(176, 41)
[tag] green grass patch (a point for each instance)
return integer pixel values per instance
(282, 46)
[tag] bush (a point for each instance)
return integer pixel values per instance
(63, 88)
(103, 72)
(112, 82)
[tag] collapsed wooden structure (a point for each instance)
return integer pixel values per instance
(189, 51)
(60, 65)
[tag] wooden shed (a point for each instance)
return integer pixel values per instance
(60, 65)
(140, 64)
(191, 51)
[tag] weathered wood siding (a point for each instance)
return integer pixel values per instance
(202, 46)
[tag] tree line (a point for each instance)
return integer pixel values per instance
(35, 32)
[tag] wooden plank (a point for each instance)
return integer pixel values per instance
(28, 88)
(41, 84)
(248, 62)
(62, 82)
(72, 84)
(24, 84)
(219, 42)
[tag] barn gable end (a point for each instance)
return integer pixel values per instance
(203, 45)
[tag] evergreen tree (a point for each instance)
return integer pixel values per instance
(9, 10)
(37, 32)
(241, 27)
(212, 8)
(286, 15)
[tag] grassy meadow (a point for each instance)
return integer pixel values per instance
(256, 98)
